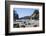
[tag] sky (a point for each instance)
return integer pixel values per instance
(24, 11)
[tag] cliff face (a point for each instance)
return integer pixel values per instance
(16, 16)
(35, 15)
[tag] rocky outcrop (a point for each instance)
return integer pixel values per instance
(16, 16)
(35, 15)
